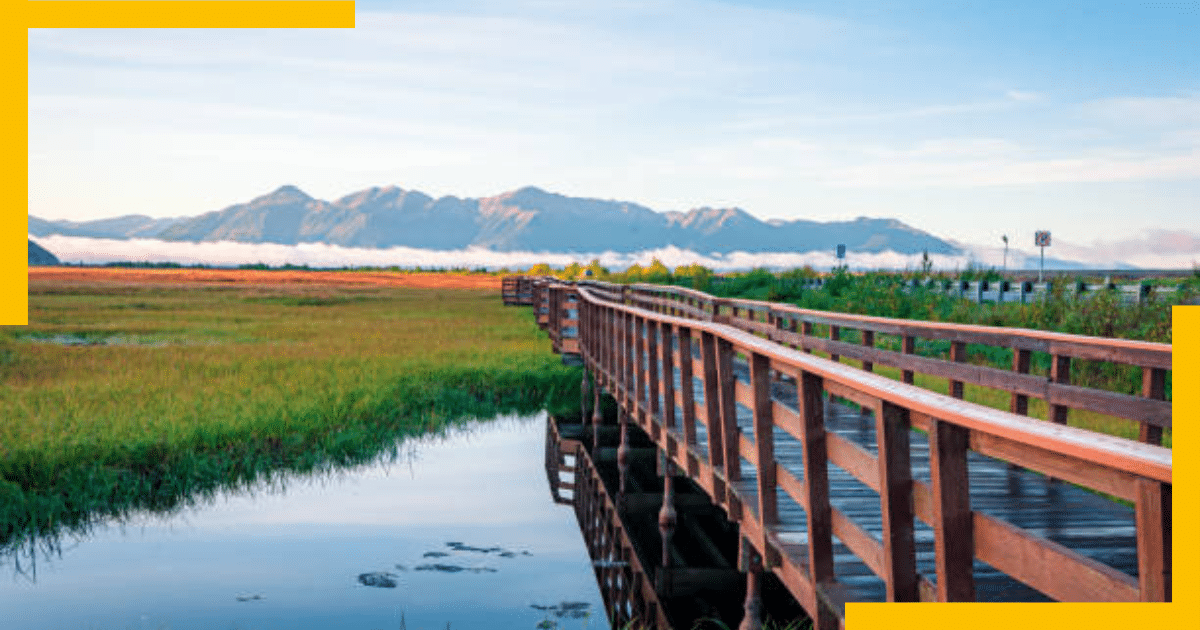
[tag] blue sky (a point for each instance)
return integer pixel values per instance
(966, 119)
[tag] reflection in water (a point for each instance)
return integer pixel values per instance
(456, 530)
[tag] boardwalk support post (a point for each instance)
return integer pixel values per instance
(752, 617)
(667, 520)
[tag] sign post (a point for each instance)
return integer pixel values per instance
(841, 252)
(1041, 238)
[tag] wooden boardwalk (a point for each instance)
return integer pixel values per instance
(829, 469)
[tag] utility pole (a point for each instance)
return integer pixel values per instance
(1005, 266)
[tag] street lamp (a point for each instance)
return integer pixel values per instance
(1005, 239)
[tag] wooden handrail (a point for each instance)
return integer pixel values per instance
(793, 325)
(1141, 459)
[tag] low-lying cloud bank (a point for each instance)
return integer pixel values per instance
(1161, 249)
(74, 249)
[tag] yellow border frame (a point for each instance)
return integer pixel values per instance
(14, 59)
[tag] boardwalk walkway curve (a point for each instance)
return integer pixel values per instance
(730, 392)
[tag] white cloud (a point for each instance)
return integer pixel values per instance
(73, 249)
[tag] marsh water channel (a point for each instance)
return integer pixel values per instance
(457, 531)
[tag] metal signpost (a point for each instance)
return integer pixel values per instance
(841, 252)
(1041, 238)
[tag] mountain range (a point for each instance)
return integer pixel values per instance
(527, 219)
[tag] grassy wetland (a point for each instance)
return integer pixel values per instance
(149, 389)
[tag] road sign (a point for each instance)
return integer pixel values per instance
(841, 251)
(1041, 238)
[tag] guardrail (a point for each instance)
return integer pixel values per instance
(1019, 291)
(636, 353)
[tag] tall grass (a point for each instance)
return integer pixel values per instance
(191, 389)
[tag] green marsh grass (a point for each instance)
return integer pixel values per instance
(241, 382)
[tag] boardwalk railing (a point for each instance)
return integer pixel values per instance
(670, 357)
(794, 326)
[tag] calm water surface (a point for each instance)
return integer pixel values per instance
(292, 556)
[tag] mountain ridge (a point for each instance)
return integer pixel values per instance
(524, 219)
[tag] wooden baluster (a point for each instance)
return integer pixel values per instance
(1019, 403)
(688, 394)
(806, 329)
(727, 421)
(630, 351)
(667, 360)
(653, 389)
(712, 413)
(954, 539)
(1153, 516)
(908, 345)
(835, 334)
(1060, 372)
(868, 340)
(1154, 387)
(958, 354)
(895, 497)
(764, 447)
(816, 484)
(623, 456)
(752, 607)
(642, 397)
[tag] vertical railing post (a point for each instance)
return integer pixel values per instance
(712, 413)
(835, 334)
(667, 361)
(1060, 372)
(868, 340)
(806, 329)
(958, 354)
(630, 349)
(908, 345)
(1153, 517)
(895, 497)
(1154, 387)
(1019, 403)
(653, 388)
(954, 540)
(727, 421)
(687, 391)
(764, 448)
(622, 456)
(816, 485)
(639, 349)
